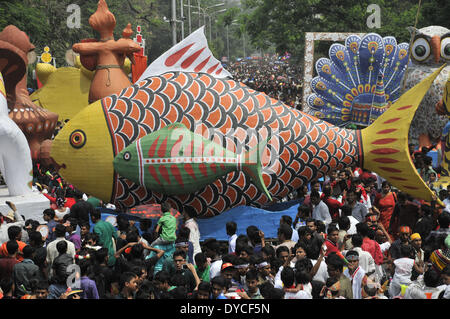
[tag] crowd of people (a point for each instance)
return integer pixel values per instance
(354, 237)
(273, 75)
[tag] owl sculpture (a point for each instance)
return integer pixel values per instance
(430, 49)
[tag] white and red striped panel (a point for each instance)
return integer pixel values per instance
(190, 55)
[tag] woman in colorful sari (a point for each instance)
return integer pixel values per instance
(385, 203)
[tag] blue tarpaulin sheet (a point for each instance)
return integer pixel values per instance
(266, 220)
(244, 216)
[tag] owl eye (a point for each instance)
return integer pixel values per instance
(445, 48)
(421, 49)
(77, 139)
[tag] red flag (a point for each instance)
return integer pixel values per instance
(139, 67)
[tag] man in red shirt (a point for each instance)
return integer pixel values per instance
(333, 204)
(7, 263)
(332, 240)
(370, 245)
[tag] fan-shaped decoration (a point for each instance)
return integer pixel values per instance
(359, 80)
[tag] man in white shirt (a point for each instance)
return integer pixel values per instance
(189, 215)
(366, 260)
(346, 210)
(13, 218)
(52, 252)
(355, 273)
(286, 219)
(211, 249)
(320, 210)
(425, 287)
(231, 228)
(288, 279)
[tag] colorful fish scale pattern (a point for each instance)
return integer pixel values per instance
(301, 145)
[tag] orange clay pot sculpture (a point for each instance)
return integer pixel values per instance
(36, 123)
(107, 55)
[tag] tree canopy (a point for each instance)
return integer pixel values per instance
(283, 23)
(245, 26)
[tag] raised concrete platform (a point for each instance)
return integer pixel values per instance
(30, 205)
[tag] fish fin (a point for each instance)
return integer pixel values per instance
(385, 143)
(446, 97)
(252, 166)
(189, 55)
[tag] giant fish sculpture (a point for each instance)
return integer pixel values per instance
(189, 91)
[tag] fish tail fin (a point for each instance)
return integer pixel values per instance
(252, 166)
(2, 85)
(385, 143)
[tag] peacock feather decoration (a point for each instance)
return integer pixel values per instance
(359, 81)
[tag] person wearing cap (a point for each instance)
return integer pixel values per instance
(443, 229)
(416, 243)
(12, 218)
(242, 266)
(440, 258)
(403, 239)
(405, 213)
(356, 274)
(264, 271)
(228, 271)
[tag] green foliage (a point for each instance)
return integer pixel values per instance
(284, 22)
(254, 24)
(45, 21)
